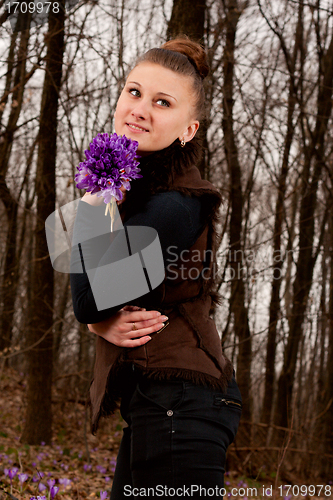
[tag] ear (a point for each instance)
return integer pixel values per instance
(190, 131)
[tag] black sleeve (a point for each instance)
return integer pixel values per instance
(176, 218)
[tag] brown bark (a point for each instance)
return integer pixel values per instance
(236, 256)
(327, 406)
(38, 425)
(11, 262)
(187, 18)
(278, 261)
(314, 155)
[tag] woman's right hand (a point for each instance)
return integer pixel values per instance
(119, 328)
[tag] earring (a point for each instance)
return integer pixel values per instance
(182, 143)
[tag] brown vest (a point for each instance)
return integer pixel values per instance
(189, 347)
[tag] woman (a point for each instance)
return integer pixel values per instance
(161, 354)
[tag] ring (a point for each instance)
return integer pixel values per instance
(134, 327)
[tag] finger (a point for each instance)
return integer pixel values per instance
(136, 342)
(136, 316)
(139, 333)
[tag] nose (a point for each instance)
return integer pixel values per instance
(141, 110)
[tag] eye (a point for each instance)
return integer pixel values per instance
(135, 92)
(163, 102)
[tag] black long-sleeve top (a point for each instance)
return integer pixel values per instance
(177, 219)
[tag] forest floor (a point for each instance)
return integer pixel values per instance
(78, 465)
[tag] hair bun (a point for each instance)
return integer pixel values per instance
(192, 50)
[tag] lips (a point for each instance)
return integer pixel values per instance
(136, 128)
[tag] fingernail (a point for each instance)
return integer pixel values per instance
(164, 318)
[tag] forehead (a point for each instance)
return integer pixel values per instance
(156, 78)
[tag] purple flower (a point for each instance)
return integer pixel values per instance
(101, 469)
(87, 467)
(111, 163)
(107, 479)
(53, 491)
(51, 482)
(6, 471)
(22, 477)
(103, 495)
(65, 481)
(12, 472)
(41, 487)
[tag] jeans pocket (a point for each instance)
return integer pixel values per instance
(164, 394)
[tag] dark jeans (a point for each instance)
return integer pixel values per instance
(177, 437)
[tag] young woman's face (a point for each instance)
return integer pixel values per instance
(155, 108)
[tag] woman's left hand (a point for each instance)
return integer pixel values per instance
(118, 329)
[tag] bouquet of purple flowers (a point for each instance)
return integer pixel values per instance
(111, 163)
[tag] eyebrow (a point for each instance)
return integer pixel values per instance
(158, 93)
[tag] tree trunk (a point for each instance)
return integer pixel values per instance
(187, 18)
(307, 258)
(327, 427)
(11, 264)
(38, 425)
(274, 307)
(236, 256)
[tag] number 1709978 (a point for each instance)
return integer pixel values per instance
(32, 7)
(304, 490)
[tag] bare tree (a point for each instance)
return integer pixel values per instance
(238, 308)
(38, 424)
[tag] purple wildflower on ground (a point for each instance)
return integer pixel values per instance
(87, 467)
(111, 163)
(65, 481)
(22, 477)
(51, 482)
(103, 495)
(113, 464)
(41, 487)
(53, 491)
(6, 471)
(101, 469)
(12, 472)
